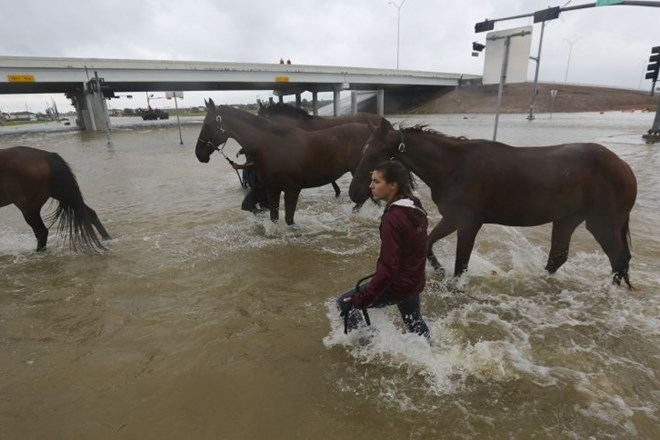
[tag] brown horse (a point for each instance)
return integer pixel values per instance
(474, 182)
(297, 117)
(287, 159)
(29, 177)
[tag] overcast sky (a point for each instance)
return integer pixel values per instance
(610, 45)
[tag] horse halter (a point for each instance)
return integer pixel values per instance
(401, 148)
(213, 146)
(402, 145)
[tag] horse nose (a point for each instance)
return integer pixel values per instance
(204, 158)
(202, 155)
(357, 193)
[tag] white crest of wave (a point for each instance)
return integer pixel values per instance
(446, 363)
(15, 243)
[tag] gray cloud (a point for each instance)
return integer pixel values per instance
(611, 44)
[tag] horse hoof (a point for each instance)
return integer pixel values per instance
(616, 279)
(437, 267)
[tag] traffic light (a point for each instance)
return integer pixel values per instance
(654, 66)
(476, 48)
(484, 26)
(107, 92)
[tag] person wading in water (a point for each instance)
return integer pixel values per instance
(401, 268)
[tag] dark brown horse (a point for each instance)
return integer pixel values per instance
(474, 182)
(287, 159)
(29, 177)
(290, 115)
(297, 117)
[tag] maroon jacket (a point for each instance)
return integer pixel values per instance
(401, 267)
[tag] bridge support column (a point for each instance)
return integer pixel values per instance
(336, 102)
(315, 103)
(80, 104)
(354, 102)
(380, 102)
(298, 100)
(91, 109)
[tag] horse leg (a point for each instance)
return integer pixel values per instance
(273, 203)
(33, 218)
(94, 219)
(357, 207)
(464, 244)
(290, 202)
(336, 188)
(562, 230)
(613, 238)
(441, 230)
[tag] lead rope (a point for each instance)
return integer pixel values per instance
(231, 162)
(364, 309)
(218, 121)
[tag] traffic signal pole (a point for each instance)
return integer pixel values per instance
(552, 13)
(535, 91)
(653, 135)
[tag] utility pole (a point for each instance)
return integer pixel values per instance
(398, 28)
(570, 51)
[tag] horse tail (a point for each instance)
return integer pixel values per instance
(72, 214)
(626, 255)
(625, 235)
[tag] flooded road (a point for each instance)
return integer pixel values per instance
(204, 321)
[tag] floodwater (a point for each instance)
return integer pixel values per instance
(206, 322)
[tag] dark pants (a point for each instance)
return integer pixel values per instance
(255, 196)
(409, 309)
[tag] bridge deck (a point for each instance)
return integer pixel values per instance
(62, 75)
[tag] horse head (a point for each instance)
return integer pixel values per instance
(380, 146)
(212, 134)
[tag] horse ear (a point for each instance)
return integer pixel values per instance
(385, 127)
(210, 104)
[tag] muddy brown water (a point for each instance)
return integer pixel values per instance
(203, 321)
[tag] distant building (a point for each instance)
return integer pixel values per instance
(21, 116)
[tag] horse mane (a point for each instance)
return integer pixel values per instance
(260, 122)
(279, 108)
(425, 129)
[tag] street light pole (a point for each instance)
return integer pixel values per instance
(570, 51)
(398, 28)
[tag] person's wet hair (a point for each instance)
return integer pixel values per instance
(394, 171)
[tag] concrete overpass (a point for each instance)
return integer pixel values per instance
(86, 80)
